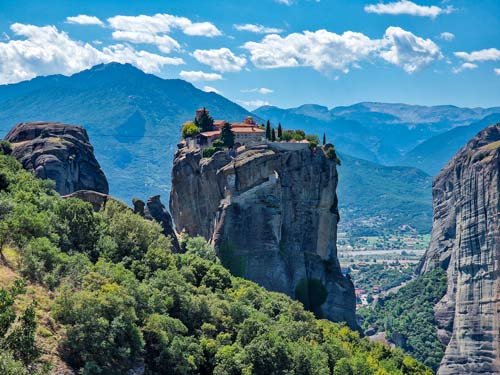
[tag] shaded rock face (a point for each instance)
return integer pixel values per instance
(272, 216)
(466, 242)
(58, 152)
(155, 210)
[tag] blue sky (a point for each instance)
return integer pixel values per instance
(278, 52)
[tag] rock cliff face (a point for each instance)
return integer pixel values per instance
(272, 215)
(58, 152)
(155, 210)
(466, 242)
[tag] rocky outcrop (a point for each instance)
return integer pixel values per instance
(97, 200)
(155, 210)
(466, 243)
(58, 152)
(272, 216)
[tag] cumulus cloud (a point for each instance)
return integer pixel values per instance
(284, 2)
(195, 76)
(409, 8)
(257, 29)
(447, 36)
(154, 30)
(464, 66)
(497, 71)
(324, 50)
(252, 104)
(260, 90)
(83, 19)
(489, 54)
(221, 60)
(211, 89)
(409, 51)
(162, 24)
(46, 50)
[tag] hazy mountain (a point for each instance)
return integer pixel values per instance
(133, 118)
(378, 132)
(434, 153)
(374, 198)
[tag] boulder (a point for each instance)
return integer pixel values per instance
(58, 152)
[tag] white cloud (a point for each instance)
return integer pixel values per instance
(221, 60)
(211, 89)
(83, 19)
(252, 104)
(195, 76)
(165, 43)
(497, 71)
(447, 36)
(257, 29)
(324, 50)
(162, 24)
(409, 8)
(464, 66)
(320, 49)
(490, 54)
(46, 50)
(285, 2)
(409, 51)
(260, 90)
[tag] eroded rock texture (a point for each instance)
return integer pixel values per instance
(466, 242)
(272, 215)
(58, 152)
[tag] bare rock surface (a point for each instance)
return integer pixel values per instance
(272, 216)
(466, 243)
(58, 152)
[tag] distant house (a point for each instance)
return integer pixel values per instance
(246, 132)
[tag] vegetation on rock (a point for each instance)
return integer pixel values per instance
(407, 317)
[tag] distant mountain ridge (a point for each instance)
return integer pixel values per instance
(379, 132)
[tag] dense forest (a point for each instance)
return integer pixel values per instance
(103, 293)
(407, 317)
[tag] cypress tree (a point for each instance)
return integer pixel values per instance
(268, 130)
(273, 135)
(227, 135)
(280, 131)
(324, 138)
(205, 123)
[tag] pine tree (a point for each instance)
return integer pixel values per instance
(324, 138)
(280, 131)
(268, 130)
(227, 135)
(273, 135)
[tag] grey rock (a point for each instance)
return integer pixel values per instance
(465, 242)
(58, 152)
(155, 210)
(271, 214)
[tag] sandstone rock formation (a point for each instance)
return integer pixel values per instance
(466, 243)
(155, 210)
(58, 152)
(272, 216)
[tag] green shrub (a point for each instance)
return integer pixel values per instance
(189, 129)
(5, 148)
(209, 151)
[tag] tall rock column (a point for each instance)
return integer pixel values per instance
(272, 216)
(466, 242)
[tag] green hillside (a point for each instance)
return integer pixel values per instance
(105, 295)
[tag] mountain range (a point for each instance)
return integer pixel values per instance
(134, 120)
